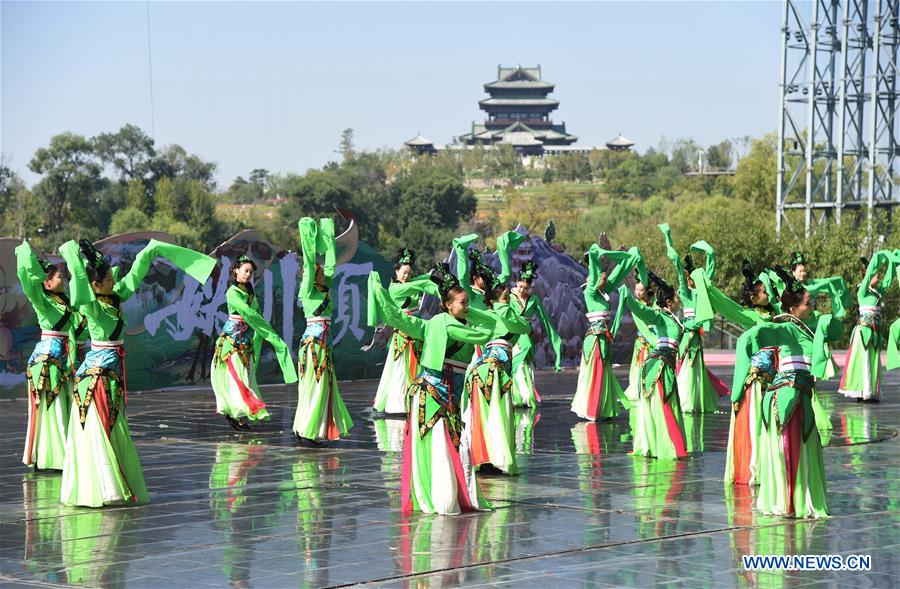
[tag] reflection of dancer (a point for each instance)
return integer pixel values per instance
(401, 364)
(102, 465)
(40, 502)
(658, 426)
(229, 502)
(754, 309)
(233, 372)
(321, 413)
(862, 369)
(529, 305)
(91, 533)
(598, 391)
(435, 478)
(791, 465)
(698, 388)
(486, 404)
(50, 366)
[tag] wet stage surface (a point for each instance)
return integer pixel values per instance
(256, 510)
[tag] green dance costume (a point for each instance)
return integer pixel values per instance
(101, 465)
(321, 413)
(51, 366)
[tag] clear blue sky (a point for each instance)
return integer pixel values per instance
(271, 85)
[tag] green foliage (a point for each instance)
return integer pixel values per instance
(129, 219)
(129, 151)
(70, 173)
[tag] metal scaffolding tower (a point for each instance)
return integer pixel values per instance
(837, 141)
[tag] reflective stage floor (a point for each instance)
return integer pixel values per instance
(255, 510)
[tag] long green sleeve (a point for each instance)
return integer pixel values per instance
(198, 266)
(423, 284)
(383, 309)
(463, 272)
(555, 340)
(31, 276)
(512, 320)
(80, 289)
(672, 254)
(261, 328)
(329, 250)
(893, 346)
(710, 254)
(726, 307)
(836, 289)
(506, 245)
(309, 232)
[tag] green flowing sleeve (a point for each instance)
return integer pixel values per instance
(383, 309)
(329, 251)
(506, 245)
(702, 306)
(80, 290)
(836, 289)
(710, 254)
(641, 311)
(893, 346)
(467, 334)
(828, 329)
(513, 321)
(309, 232)
(555, 340)
(625, 263)
(881, 258)
(262, 329)
(420, 284)
(725, 306)
(32, 276)
(463, 272)
(594, 269)
(672, 254)
(482, 318)
(198, 266)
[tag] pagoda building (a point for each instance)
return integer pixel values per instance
(518, 113)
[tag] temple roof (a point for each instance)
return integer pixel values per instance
(418, 140)
(620, 141)
(518, 77)
(517, 130)
(519, 102)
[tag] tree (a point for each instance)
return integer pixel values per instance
(259, 176)
(347, 147)
(137, 197)
(129, 219)
(174, 162)
(70, 173)
(719, 156)
(129, 151)
(430, 204)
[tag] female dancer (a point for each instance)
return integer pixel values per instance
(862, 369)
(658, 427)
(403, 351)
(791, 466)
(234, 363)
(524, 392)
(51, 364)
(698, 389)
(321, 413)
(101, 465)
(598, 388)
(486, 406)
(755, 308)
(436, 476)
(641, 346)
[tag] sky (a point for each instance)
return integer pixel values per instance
(272, 85)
